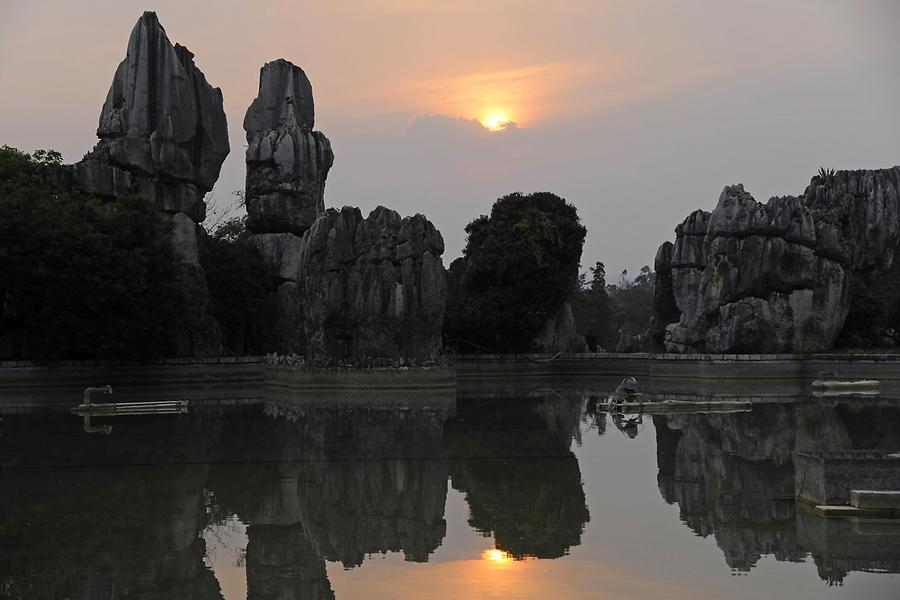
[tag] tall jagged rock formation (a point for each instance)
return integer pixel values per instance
(287, 162)
(780, 277)
(349, 289)
(163, 134)
(372, 289)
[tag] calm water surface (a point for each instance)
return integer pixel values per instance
(504, 491)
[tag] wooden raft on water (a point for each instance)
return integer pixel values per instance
(113, 409)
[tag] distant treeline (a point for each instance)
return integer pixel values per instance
(603, 309)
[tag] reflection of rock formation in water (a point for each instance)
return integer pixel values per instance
(283, 563)
(350, 482)
(841, 546)
(521, 480)
(733, 477)
(739, 499)
(105, 531)
(315, 483)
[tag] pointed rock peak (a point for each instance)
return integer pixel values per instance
(162, 123)
(150, 18)
(285, 98)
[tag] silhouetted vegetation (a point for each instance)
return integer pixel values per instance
(521, 264)
(239, 288)
(81, 277)
(592, 310)
(602, 309)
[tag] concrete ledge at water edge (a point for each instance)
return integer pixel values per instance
(875, 499)
(587, 356)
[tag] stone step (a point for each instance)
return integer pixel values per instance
(875, 499)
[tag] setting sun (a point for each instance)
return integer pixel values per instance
(496, 120)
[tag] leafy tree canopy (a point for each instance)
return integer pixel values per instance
(521, 265)
(239, 288)
(81, 277)
(602, 309)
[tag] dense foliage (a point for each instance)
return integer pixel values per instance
(81, 277)
(521, 264)
(239, 288)
(602, 309)
(592, 310)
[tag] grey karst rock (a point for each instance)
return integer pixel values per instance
(184, 238)
(287, 162)
(665, 310)
(558, 334)
(163, 134)
(780, 276)
(349, 290)
(360, 291)
(280, 252)
(162, 128)
(373, 288)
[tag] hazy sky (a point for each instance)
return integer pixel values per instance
(636, 111)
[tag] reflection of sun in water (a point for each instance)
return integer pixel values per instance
(496, 119)
(497, 557)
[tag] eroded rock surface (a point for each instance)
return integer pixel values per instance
(373, 288)
(362, 291)
(287, 162)
(350, 290)
(780, 276)
(163, 134)
(162, 128)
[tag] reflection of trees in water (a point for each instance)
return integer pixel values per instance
(337, 484)
(110, 530)
(733, 478)
(512, 459)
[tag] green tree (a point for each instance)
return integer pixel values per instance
(521, 264)
(239, 288)
(81, 277)
(591, 306)
(632, 301)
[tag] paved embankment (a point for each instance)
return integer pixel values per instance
(694, 366)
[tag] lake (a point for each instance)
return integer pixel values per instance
(510, 488)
